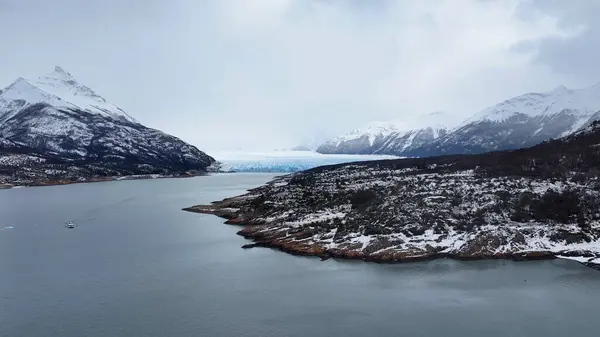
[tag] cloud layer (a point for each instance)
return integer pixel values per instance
(268, 74)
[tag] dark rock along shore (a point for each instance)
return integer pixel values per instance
(535, 203)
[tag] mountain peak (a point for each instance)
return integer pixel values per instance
(60, 70)
(60, 89)
(436, 120)
(561, 89)
(21, 88)
(59, 73)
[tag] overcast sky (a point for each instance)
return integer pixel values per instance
(263, 74)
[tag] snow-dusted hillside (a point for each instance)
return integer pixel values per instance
(391, 137)
(522, 121)
(539, 202)
(56, 117)
(515, 123)
(584, 102)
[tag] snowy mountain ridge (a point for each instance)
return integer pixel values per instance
(376, 137)
(372, 131)
(586, 102)
(376, 129)
(518, 122)
(58, 89)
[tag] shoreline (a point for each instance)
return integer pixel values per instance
(8, 186)
(252, 231)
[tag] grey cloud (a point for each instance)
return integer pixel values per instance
(270, 73)
(525, 47)
(575, 58)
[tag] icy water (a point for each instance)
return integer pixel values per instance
(139, 266)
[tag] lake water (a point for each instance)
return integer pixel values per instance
(139, 266)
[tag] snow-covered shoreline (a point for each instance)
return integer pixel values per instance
(536, 203)
(375, 248)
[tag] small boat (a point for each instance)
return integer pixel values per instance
(70, 224)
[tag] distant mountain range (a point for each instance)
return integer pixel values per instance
(397, 137)
(55, 128)
(515, 123)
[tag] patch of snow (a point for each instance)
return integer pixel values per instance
(19, 160)
(365, 240)
(316, 217)
(576, 258)
(537, 131)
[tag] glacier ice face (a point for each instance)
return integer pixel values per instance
(284, 161)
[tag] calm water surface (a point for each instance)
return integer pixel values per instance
(139, 266)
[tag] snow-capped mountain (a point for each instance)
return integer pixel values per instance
(395, 137)
(522, 121)
(519, 122)
(60, 90)
(63, 121)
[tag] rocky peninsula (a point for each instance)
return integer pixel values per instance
(535, 203)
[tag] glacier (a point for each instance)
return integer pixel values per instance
(284, 161)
